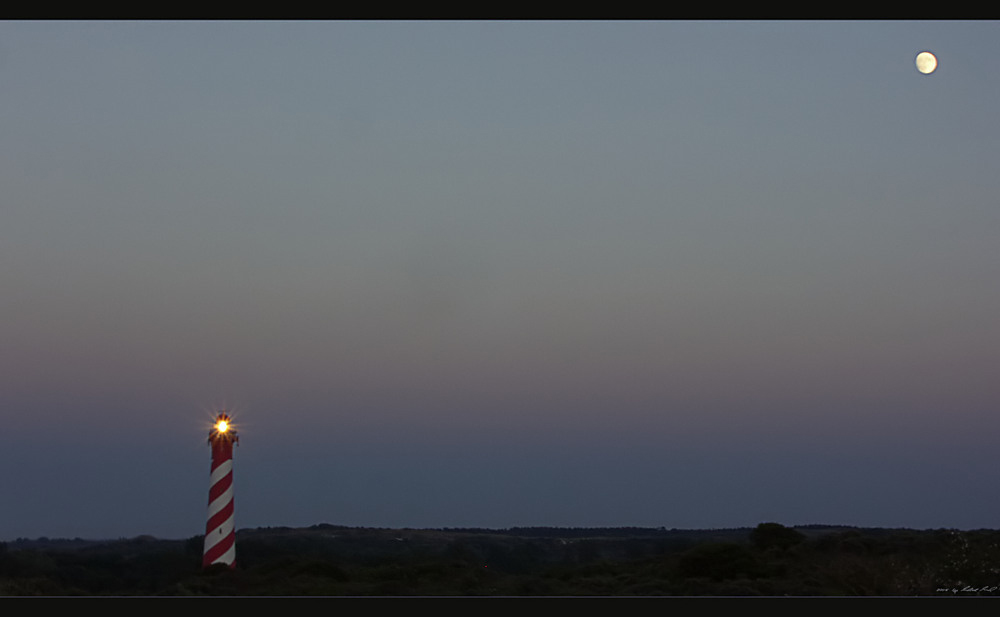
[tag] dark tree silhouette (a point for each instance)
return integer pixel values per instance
(775, 535)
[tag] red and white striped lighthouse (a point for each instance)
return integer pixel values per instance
(220, 531)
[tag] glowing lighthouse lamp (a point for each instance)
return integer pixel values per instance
(220, 531)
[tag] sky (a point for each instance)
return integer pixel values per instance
(681, 274)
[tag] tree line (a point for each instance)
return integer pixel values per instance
(328, 560)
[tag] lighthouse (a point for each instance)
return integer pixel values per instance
(220, 531)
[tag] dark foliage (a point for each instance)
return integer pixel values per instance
(775, 536)
(331, 560)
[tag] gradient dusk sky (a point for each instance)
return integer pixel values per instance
(499, 273)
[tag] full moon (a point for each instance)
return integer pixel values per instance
(926, 62)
